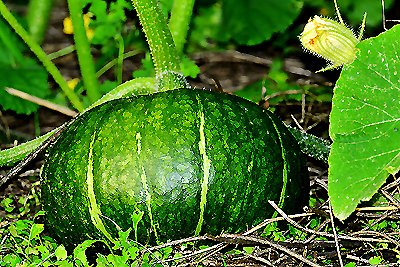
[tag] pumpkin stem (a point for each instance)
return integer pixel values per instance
(162, 47)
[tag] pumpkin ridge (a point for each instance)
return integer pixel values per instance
(145, 184)
(94, 210)
(206, 164)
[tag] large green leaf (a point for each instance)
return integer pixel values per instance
(18, 72)
(365, 123)
(251, 22)
(11, 47)
(29, 78)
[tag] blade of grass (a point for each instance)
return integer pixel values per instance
(115, 61)
(62, 52)
(82, 46)
(41, 55)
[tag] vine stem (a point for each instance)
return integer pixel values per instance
(41, 55)
(162, 47)
(38, 16)
(82, 46)
(181, 15)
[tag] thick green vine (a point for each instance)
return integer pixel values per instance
(162, 47)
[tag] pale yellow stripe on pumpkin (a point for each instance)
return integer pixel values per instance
(145, 184)
(94, 210)
(206, 173)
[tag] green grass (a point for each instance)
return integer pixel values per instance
(25, 242)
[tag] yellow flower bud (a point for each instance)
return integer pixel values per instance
(330, 40)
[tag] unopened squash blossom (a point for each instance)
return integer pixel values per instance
(331, 40)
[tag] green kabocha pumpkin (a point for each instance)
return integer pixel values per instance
(184, 162)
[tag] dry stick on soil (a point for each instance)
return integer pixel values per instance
(385, 215)
(335, 235)
(260, 259)
(318, 229)
(321, 233)
(377, 209)
(41, 102)
(277, 219)
(263, 224)
(375, 233)
(177, 242)
(288, 92)
(209, 254)
(389, 196)
(235, 56)
(211, 250)
(388, 210)
(192, 254)
(217, 246)
(393, 215)
(392, 184)
(231, 238)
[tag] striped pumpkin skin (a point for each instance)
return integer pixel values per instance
(192, 161)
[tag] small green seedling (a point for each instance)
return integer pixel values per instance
(331, 40)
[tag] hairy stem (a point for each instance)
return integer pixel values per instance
(162, 48)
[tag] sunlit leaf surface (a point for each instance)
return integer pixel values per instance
(365, 126)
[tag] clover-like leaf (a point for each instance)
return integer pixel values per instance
(365, 123)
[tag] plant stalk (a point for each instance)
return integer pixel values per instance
(82, 46)
(162, 48)
(181, 15)
(38, 18)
